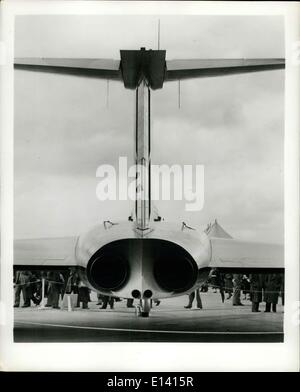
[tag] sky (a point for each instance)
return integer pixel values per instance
(233, 125)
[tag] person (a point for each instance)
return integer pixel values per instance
(228, 285)
(191, 299)
(72, 285)
(237, 285)
(107, 300)
(36, 287)
(72, 282)
(213, 279)
(83, 295)
(272, 285)
(256, 284)
(246, 286)
(99, 298)
(129, 303)
(55, 285)
(220, 282)
(22, 285)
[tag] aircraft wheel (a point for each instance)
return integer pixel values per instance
(145, 307)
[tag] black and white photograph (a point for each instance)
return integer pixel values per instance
(149, 178)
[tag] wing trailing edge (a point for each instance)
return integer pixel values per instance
(195, 68)
(97, 68)
(244, 255)
(44, 253)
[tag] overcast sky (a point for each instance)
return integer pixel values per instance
(233, 125)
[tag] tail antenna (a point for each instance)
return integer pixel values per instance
(179, 94)
(107, 93)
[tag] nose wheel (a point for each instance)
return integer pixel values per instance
(144, 307)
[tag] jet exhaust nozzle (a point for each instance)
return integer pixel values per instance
(168, 267)
(147, 294)
(175, 272)
(108, 271)
(136, 294)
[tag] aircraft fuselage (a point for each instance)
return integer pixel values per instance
(162, 261)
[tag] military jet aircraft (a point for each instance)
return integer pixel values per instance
(146, 258)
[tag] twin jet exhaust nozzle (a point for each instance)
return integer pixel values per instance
(136, 294)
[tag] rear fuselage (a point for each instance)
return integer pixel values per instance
(162, 261)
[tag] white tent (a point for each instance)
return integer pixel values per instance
(215, 230)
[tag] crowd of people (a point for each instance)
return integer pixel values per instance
(257, 288)
(56, 284)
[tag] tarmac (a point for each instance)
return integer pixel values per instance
(168, 322)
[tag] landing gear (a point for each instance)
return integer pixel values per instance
(145, 307)
(145, 303)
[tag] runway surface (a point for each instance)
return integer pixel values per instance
(168, 322)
